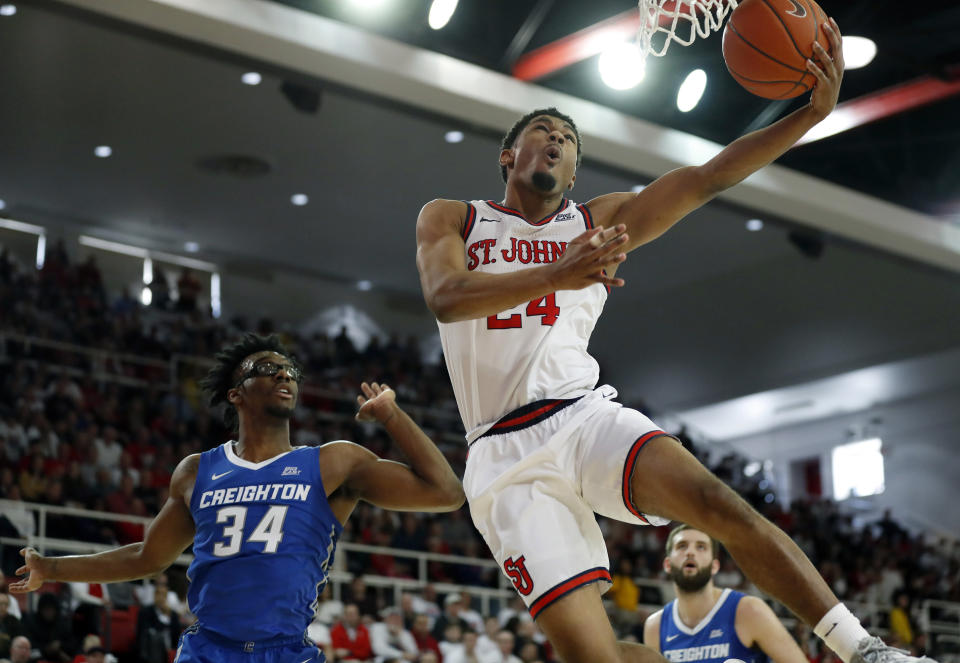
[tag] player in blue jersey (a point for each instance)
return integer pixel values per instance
(708, 624)
(263, 516)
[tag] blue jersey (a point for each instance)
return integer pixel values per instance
(713, 640)
(265, 537)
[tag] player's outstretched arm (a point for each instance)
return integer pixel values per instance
(757, 626)
(455, 293)
(167, 536)
(428, 483)
(650, 213)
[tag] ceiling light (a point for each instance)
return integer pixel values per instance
(453, 136)
(103, 151)
(367, 4)
(858, 52)
(637, 188)
(691, 90)
(441, 11)
(8, 10)
(364, 285)
(753, 225)
(251, 78)
(621, 66)
(3, 203)
(299, 199)
(191, 247)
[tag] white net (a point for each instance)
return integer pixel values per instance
(681, 21)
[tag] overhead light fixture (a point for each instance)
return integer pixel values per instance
(41, 250)
(441, 11)
(103, 151)
(637, 188)
(215, 298)
(8, 10)
(691, 91)
(453, 136)
(251, 78)
(299, 199)
(367, 4)
(3, 203)
(364, 285)
(191, 247)
(858, 52)
(621, 66)
(753, 225)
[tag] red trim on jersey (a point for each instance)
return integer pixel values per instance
(469, 221)
(547, 219)
(628, 472)
(587, 216)
(516, 421)
(567, 586)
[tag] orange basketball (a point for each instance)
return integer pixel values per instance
(766, 44)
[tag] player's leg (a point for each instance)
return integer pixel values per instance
(579, 630)
(669, 481)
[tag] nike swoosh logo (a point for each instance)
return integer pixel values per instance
(831, 629)
(798, 10)
(217, 476)
(671, 637)
(307, 660)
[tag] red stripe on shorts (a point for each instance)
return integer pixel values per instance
(564, 588)
(516, 421)
(628, 471)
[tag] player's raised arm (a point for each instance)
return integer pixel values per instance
(167, 537)
(757, 626)
(453, 292)
(427, 483)
(650, 213)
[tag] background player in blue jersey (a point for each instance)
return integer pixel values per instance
(263, 516)
(709, 624)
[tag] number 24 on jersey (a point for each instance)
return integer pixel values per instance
(545, 307)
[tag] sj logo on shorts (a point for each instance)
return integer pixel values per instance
(518, 574)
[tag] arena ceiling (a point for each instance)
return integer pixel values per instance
(712, 312)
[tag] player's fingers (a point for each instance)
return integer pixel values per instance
(816, 71)
(838, 50)
(594, 236)
(365, 388)
(826, 62)
(361, 400)
(609, 281)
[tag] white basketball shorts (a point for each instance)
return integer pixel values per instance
(535, 480)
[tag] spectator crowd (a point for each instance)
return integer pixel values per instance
(98, 430)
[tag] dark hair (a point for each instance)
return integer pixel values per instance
(222, 377)
(522, 123)
(679, 528)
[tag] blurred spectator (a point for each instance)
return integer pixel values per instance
(469, 652)
(422, 635)
(506, 641)
(624, 593)
(351, 639)
(900, 619)
(390, 641)
(451, 641)
(188, 291)
(452, 606)
(49, 631)
(20, 650)
(158, 628)
(94, 651)
(364, 597)
(88, 601)
(9, 626)
(319, 634)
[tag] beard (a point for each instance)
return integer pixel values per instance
(694, 583)
(545, 182)
(279, 411)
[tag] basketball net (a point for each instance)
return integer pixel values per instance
(682, 21)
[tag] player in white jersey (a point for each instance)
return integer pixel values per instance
(547, 451)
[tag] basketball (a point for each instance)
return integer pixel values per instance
(766, 44)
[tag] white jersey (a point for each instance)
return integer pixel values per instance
(537, 350)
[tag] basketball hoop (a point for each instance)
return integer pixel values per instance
(681, 21)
